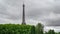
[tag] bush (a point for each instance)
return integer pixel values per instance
(16, 29)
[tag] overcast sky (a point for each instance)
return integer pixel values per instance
(46, 12)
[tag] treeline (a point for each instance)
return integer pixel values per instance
(52, 32)
(40, 30)
(24, 29)
(16, 29)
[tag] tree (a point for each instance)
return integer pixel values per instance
(58, 33)
(46, 33)
(51, 32)
(16, 29)
(33, 30)
(39, 28)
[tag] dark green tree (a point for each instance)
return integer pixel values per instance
(51, 32)
(58, 32)
(33, 30)
(39, 28)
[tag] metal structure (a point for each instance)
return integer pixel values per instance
(23, 16)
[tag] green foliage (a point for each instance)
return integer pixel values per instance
(59, 33)
(39, 28)
(51, 32)
(33, 30)
(46, 33)
(16, 29)
(24, 29)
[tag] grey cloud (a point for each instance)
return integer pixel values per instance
(35, 13)
(35, 10)
(53, 22)
(4, 10)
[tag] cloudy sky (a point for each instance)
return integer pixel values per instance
(46, 12)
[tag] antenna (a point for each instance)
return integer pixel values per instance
(23, 2)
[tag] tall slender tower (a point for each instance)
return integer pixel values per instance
(23, 16)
